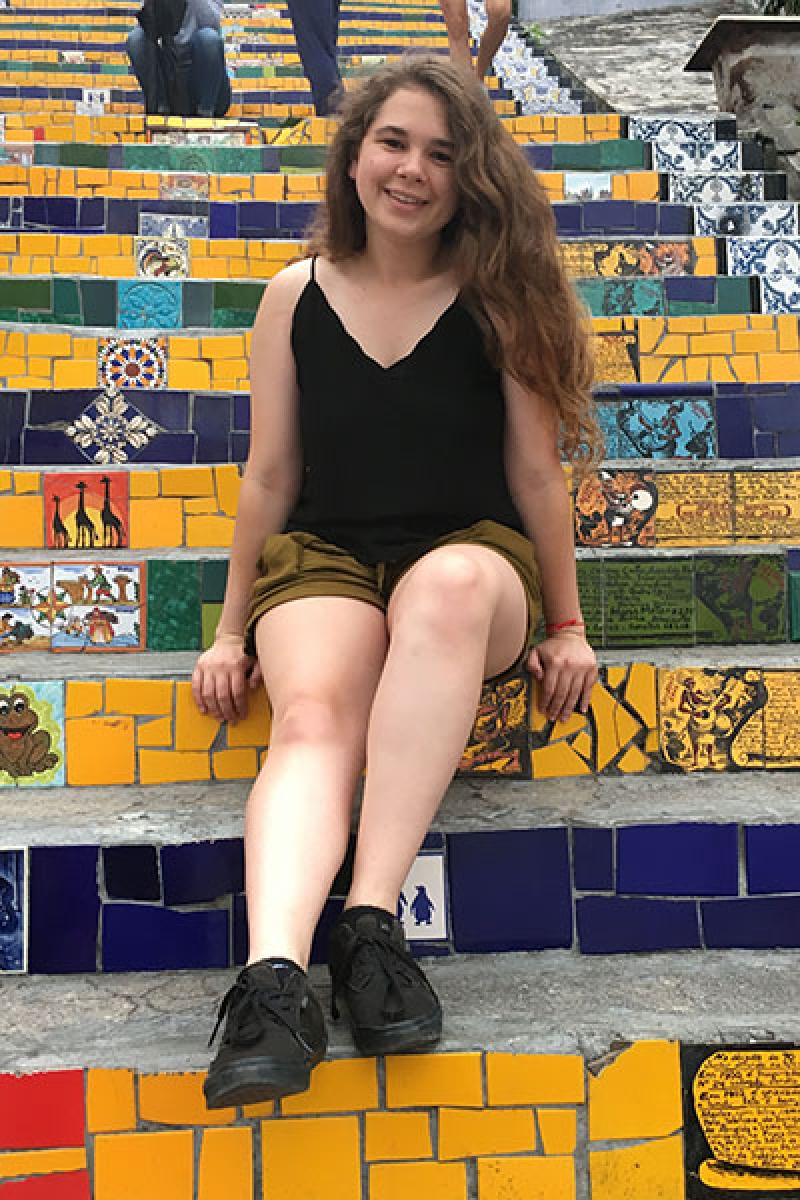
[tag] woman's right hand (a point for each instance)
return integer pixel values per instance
(222, 677)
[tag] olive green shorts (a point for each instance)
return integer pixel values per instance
(293, 566)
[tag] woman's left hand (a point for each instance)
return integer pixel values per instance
(566, 670)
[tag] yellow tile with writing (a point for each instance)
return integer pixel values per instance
(426, 1080)
(397, 1136)
(178, 1100)
(424, 1181)
(464, 1133)
(342, 1085)
(311, 1158)
(650, 1171)
(528, 1179)
(638, 1095)
(160, 1166)
(766, 506)
(695, 508)
(226, 1165)
(782, 720)
(535, 1078)
(110, 1101)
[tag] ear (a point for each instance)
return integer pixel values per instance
(351, 168)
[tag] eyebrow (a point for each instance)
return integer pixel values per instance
(404, 133)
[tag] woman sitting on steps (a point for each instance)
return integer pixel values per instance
(413, 382)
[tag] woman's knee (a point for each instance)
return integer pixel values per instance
(314, 719)
(453, 595)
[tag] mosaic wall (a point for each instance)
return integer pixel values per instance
(664, 1120)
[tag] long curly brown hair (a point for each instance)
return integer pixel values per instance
(502, 242)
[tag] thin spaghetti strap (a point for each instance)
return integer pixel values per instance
(314, 267)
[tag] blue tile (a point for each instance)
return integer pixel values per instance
(788, 444)
(12, 420)
(240, 447)
(212, 425)
(91, 213)
(319, 944)
(46, 407)
(734, 427)
(170, 448)
(296, 218)
(64, 909)
(666, 391)
(169, 409)
(131, 872)
(41, 447)
(222, 220)
(241, 411)
(772, 854)
(145, 937)
(764, 445)
(678, 860)
(568, 219)
(793, 560)
(675, 219)
(510, 890)
(615, 925)
(539, 155)
(694, 289)
(609, 216)
(593, 859)
(122, 216)
(751, 924)
(646, 219)
(200, 871)
(775, 413)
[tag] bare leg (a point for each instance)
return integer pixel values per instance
(321, 658)
(457, 616)
(498, 13)
(455, 18)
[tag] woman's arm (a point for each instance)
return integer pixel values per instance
(564, 663)
(269, 489)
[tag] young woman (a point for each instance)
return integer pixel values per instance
(498, 16)
(413, 382)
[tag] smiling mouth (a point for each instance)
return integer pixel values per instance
(13, 735)
(411, 201)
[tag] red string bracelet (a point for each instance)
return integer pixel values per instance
(557, 626)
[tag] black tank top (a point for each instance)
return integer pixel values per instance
(396, 457)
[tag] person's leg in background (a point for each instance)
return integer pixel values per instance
(211, 87)
(457, 23)
(498, 13)
(316, 26)
(143, 56)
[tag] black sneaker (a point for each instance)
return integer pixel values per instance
(274, 1035)
(390, 1004)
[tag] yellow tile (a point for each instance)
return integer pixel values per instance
(209, 531)
(558, 761)
(643, 185)
(51, 345)
(182, 347)
(651, 329)
(83, 699)
(110, 1101)
(465, 1134)
(27, 482)
(745, 367)
(187, 375)
(164, 766)
(338, 1086)
(187, 481)
(155, 523)
(205, 505)
(615, 727)
(651, 1171)
(116, 763)
(228, 483)
(310, 1158)
(178, 1100)
(535, 1078)
(633, 762)
(528, 1179)
(233, 764)
(231, 346)
(193, 730)
(778, 368)
(155, 733)
(424, 1080)
(559, 1129)
(139, 697)
(788, 333)
(397, 1136)
(226, 1165)
(160, 1166)
(265, 1109)
(755, 342)
(143, 483)
(255, 729)
(75, 373)
(638, 1095)
(41, 1162)
(423, 1181)
(5, 481)
(673, 344)
(640, 692)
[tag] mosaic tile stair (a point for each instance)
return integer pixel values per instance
(651, 825)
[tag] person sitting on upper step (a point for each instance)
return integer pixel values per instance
(178, 56)
(498, 14)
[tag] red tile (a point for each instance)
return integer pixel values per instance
(72, 1185)
(40, 1112)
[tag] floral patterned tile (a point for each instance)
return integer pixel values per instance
(697, 156)
(132, 363)
(111, 429)
(774, 219)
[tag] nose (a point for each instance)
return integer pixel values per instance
(411, 164)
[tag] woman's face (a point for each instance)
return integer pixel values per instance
(404, 173)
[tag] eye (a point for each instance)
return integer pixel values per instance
(4, 708)
(442, 156)
(19, 704)
(641, 500)
(392, 142)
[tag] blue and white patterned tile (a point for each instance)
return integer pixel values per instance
(111, 429)
(149, 304)
(423, 900)
(688, 157)
(781, 295)
(775, 219)
(763, 256)
(32, 734)
(93, 102)
(13, 911)
(698, 188)
(172, 227)
(668, 128)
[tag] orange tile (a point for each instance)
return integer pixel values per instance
(110, 1101)
(311, 1158)
(342, 1085)
(178, 1100)
(425, 1080)
(535, 1078)
(398, 1135)
(424, 1181)
(226, 1165)
(86, 764)
(130, 1166)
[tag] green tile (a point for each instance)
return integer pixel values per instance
(649, 602)
(173, 604)
(79, 154)
(213, 578)
(741, 598)
(590, 588)
(580, 156)
(211, 614)
(67, 299)
(794, 605)
(238, 295)
(302, 156)
(197, 304)
(100, 303)
(26, 293)
(733, 295)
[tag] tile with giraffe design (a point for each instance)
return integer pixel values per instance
(86, 510)
(98, 606)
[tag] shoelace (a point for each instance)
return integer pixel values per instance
(251, 1008)
(396, 964)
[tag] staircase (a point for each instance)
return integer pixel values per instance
(613, 902)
